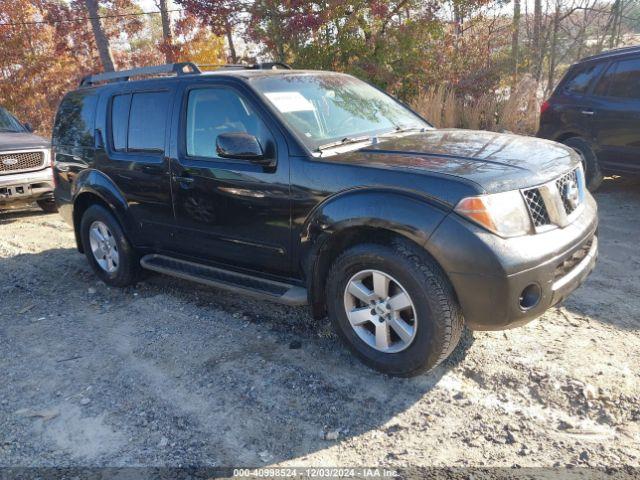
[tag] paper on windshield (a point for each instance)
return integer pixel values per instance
(287, 102)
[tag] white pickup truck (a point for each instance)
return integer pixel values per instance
(25, 165)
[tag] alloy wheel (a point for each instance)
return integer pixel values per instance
(380, 311)
(104, 247)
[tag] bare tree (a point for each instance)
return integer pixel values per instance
(537, 39)
(102, 41)
(232, 48)
(167, 36)
(515, 41)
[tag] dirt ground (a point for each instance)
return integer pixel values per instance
(172, 373)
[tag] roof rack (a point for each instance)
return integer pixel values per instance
(613, 52)
(183, 68)
(246, 66)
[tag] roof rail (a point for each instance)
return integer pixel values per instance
(183, 68)
(247, 66)
(613, 52)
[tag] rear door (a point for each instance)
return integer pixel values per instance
(230, 210)
(617, 115)
(137, 123)
(574, 105)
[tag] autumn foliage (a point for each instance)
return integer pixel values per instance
(47, 46)
(473, 63)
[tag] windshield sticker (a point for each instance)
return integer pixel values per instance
(287, 102)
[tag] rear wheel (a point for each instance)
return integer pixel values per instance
(394, 308)
(590, 163)
(48, 206)
(108, 251)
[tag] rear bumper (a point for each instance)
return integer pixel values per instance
(26, 187)
(505, 283)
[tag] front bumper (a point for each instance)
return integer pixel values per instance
(504, 283)
(26, 187)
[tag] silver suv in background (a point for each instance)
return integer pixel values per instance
(25, 165)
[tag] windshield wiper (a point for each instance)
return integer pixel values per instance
(344, 141)
(403, 129)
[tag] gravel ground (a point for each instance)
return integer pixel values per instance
(171, 373)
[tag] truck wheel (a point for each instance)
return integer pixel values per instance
(108, 251)
(48, 206)
(592, 172)
(394, 308)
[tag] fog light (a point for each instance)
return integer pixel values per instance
(530, 296)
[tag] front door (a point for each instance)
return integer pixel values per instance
(227, 210)
(134, 159)
(617, 115)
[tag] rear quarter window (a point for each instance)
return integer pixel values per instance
(75, 120)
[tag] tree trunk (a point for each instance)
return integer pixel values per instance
(515, 42)
(166, 31)
(232, 47)
(537, 40)
(552, 49)
(102, 42)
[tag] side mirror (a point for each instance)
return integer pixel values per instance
(239, 145)
(28, 127)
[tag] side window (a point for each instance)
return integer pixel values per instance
(625, 82)
(212, 111)
(120, 121)
(75, 121)
(147, 121)
(602, 88)
(580, 79)
(138, 121)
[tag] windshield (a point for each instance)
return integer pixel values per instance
(326, 110)
(9, 123)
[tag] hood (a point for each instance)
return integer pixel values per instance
(494, 161)
(21, 141)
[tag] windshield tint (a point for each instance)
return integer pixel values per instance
(326, 108)
(9, 123)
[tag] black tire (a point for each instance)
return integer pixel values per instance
(128, 269)
(592, 171)
(48, 206)
(439, 317)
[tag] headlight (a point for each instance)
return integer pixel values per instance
(504, 213)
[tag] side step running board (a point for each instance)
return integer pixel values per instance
(226, 279)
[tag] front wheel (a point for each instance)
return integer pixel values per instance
(394, 307)
(48, 205)
(107, 249)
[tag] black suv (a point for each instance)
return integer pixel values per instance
(595, 109)
(316, 188)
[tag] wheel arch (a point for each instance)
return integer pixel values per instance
(95, 188)
(567, 135)
(363, 216)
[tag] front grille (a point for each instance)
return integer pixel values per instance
(537, 208)
(570, 263)
(14, 162)
(567, 185)
(563, 193)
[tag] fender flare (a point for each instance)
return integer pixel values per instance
(390, 211)
(95, 183)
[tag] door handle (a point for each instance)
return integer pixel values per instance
(587, 112)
